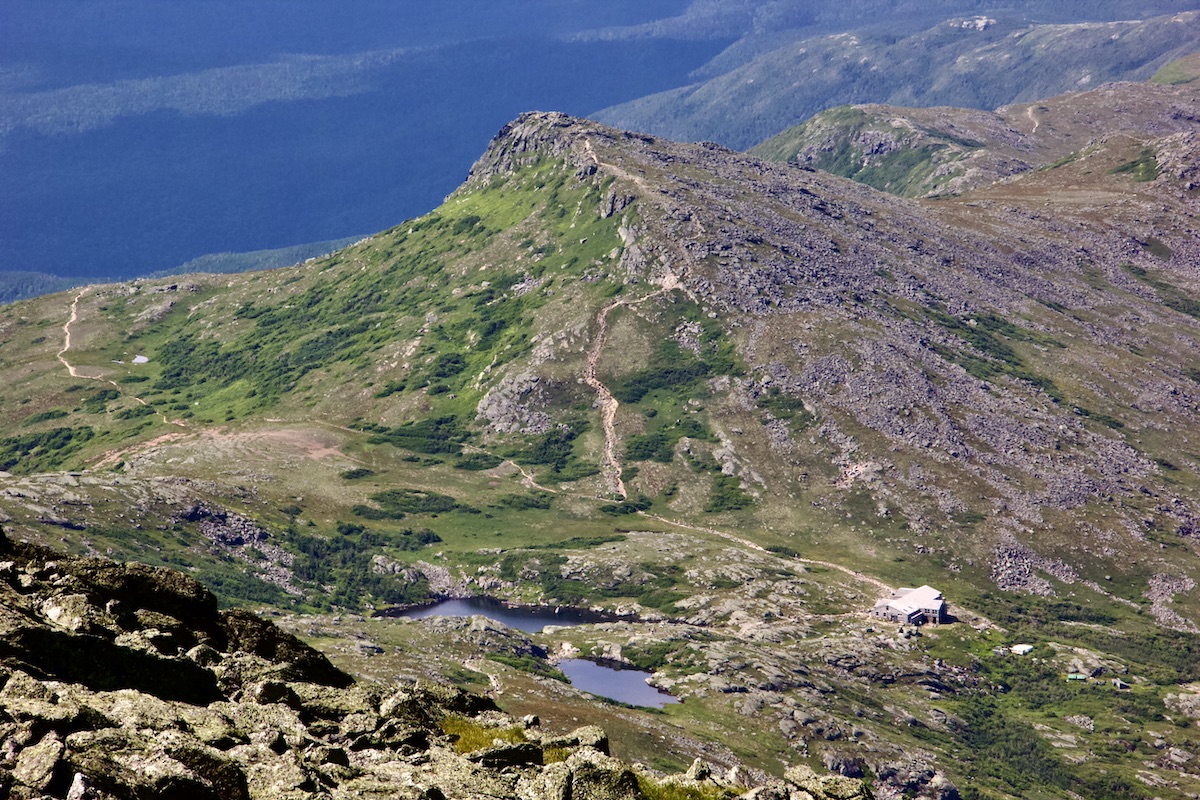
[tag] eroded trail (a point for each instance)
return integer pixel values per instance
(66, 328)
(608, 403)
(1033, 119)
(670, 282)
(73, 371)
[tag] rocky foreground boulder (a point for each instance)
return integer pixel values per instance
(127, 681)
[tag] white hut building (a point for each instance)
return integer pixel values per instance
(912, 606)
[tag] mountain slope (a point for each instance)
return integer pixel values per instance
(975, 62)
(737, 399)
(917, 152)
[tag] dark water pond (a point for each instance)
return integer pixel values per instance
(624, 685)
(531, 619)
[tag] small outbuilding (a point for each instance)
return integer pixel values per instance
(1021, 649)
(912, 606)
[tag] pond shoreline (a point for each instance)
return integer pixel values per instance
(492, 607)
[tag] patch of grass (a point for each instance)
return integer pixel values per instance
(525, 502)
(986, 336)
(528, 663)
(469, 735)
(399, 503)
(671, 367)
(555, 449)
(654, 656)
(580, 542)
(553, 755)
(655, 790)
(785, 407)
(477, 462)
(430, 436)
(1142, 169)
(97, 402)
(1158, 249)
(1168, 294)
(630, 506)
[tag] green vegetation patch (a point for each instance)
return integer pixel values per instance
(54, 413)
(654, 588)
(1142, 169)
(1169, 295)
(555, 450)
(630, 506)
(469, 735)
(727, 495)
(659, 445)
(399, 503)
(42, 451)
(526, 502)
(528, 663)
(904, 170)
(475, 462)
(671, 367)
(433, 435)
(97, 402)
(1179, 72)
(342, 563)
(785, 407)
(357, 473)
(653, 790)
(987, 336)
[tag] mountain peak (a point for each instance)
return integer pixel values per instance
(532, 136)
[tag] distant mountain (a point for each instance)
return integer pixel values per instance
(734, 401)
(128, 146)
(18, 285)
(146, 134)
(938, 151)
(979, 62)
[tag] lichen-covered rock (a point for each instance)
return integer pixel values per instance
(833, 787)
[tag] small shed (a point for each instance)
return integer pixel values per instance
(1021, 649)
(912, 606)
